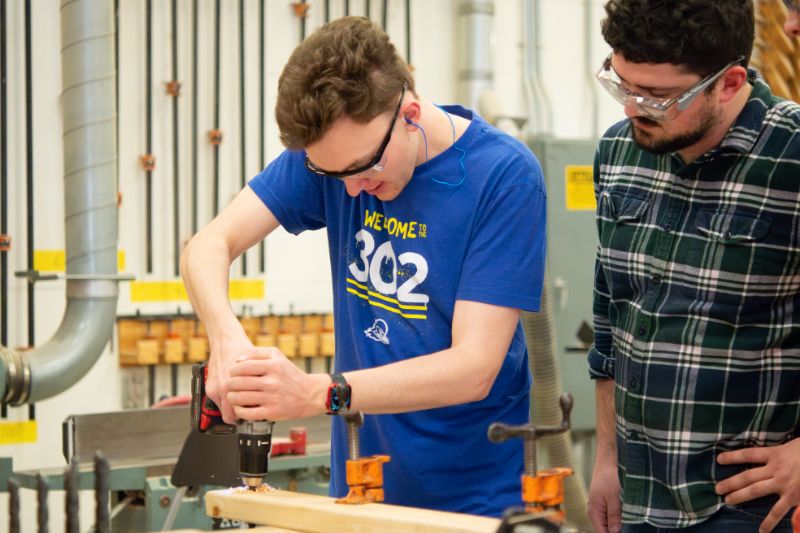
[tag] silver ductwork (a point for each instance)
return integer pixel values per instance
(476, 42)
(90, 200)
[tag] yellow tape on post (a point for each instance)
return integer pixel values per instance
(174, 291)
(56, 260)
(17, 432)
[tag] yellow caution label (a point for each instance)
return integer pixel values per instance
(174, 291)
(579, 188)
(17, 432)
(56, 260)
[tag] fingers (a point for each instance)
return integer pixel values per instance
(745, 455)
(775, 515)
(251, 367)
(743, 479)
(251, 413)
(753, 491)
(245, 383)
(246, 398)
(614, 514)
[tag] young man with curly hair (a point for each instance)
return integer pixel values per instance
(697, 280)
(436, 225)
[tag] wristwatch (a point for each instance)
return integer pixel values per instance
(338, 401)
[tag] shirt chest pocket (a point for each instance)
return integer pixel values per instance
(622, 229)
(726, 257)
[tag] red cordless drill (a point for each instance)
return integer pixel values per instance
(255, 436)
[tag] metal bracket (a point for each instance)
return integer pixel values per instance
(35, 275)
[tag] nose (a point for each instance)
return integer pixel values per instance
(354, 186)
(792, 24)
(631, 109)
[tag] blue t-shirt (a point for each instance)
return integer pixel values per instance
(398, 268)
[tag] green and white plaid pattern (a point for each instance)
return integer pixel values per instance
(697, 306)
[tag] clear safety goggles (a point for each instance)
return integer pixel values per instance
(651, 107)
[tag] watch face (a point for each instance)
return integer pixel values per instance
(338, 398)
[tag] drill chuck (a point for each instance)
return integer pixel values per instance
(255, 441)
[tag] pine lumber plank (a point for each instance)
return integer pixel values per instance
(319, 514)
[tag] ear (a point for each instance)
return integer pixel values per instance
(731, 82)
(411, 114)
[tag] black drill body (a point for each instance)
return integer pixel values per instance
(255, 436)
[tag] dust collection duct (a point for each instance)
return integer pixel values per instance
(90, 212)
(476, 79)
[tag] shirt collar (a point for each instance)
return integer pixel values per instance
(742, 136)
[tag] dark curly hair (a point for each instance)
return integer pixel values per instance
(348, 67)
(703, 35)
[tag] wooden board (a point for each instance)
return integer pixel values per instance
(319, 514)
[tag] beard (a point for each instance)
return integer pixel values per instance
(646, 140)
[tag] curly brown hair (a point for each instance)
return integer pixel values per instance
(348, 67)
(703, 35)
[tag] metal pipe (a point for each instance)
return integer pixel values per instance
(385, 15)
(42, 518)
(90, 211)
(242, 117)
(346, 8)
(148, 92)
(29, 172)
(302, 17)
(102, 487)
(3, 180)
(71, 502)
(262, 257)
(539, 117)
(13, 504)
(195, 9)
(408, 31)
(327, 10)
(588, 33)
(176, 205)
(367, 6)
(475, 64)
(217, 44)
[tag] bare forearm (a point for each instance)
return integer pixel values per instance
(205, 264)
(426, 382)
(606, 419)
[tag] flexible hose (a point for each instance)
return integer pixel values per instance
(545, 410)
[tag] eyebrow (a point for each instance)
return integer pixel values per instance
(645, 87)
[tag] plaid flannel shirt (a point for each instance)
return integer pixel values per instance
(697, 306)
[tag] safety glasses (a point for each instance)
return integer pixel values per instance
(376, 164)
(651, 107)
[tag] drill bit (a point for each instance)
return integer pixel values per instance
(13, 506)
(101, 490)
(41, 497)
(71, 498)
(255, 441)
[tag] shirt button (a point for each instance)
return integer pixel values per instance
(642, 329)
(634, 384)
(727, 234)
(634, 435)
(656, 279)
(667, 227)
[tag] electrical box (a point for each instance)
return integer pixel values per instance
(571, 250)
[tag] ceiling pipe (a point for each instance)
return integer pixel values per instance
(90, 212)
(540, 121)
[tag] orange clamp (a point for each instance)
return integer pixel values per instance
(544, 492)
(301, 9)
(148, 162)
(173, 88)
(365, 479)
(215, 137)
(5, 242)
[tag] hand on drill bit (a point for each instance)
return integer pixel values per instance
(270, 387)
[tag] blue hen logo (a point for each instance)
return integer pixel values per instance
(379, 331)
